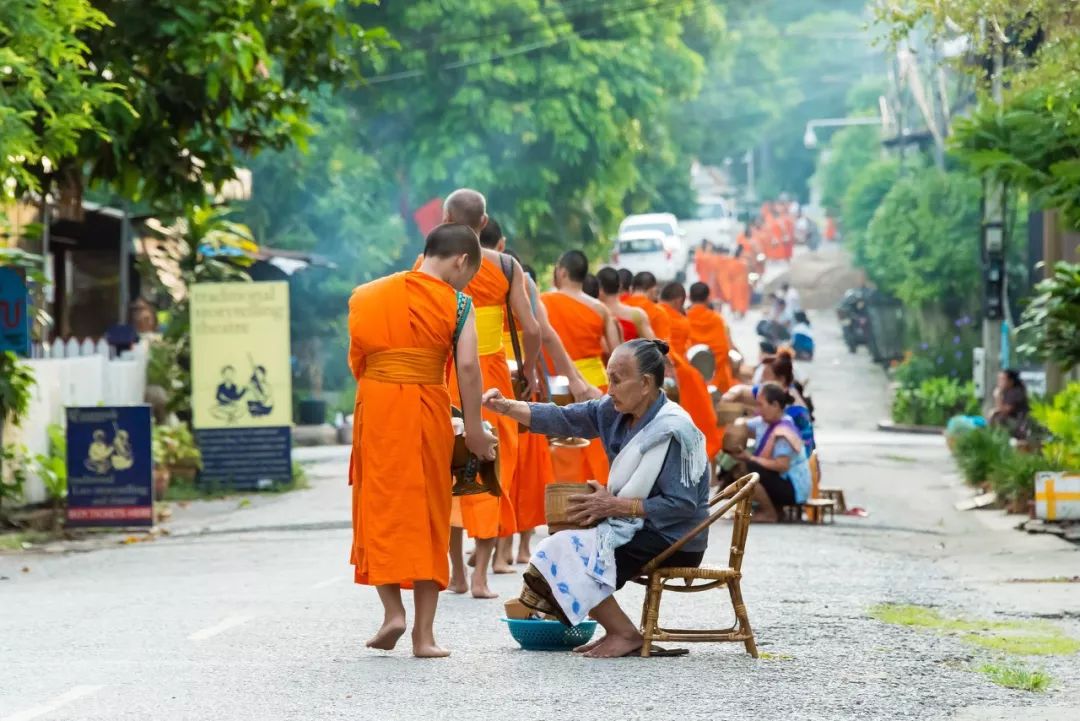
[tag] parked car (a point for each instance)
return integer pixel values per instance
(673, 253)
(651, 250)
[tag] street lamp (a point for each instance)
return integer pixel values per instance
(810, 139)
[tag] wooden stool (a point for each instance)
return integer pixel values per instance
(818, 507)
(834, 494)
(791, 514)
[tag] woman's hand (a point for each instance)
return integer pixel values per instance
(495, 401)
(744, 455)
(588, 509)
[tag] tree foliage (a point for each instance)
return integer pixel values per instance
(49, 92)
(850, 150)
(1051, 321)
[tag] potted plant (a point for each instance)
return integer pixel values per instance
(175, 456)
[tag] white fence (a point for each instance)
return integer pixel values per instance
(86, 377)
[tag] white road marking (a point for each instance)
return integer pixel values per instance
(327, 582)
(60, 701)
(214, 630)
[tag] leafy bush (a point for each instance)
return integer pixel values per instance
(1051, 321)
(1014, 476)
(934, 401)
(953, 361)
(52, 468)
(979, 451)
(1061, 419)
(175, 446)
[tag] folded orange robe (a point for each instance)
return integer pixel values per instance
(708, 327)
(400, 335)
(581, 329)
(693, 392)
(484, 515)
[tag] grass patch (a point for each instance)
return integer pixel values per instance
(900, 459)
(1018, 677)
(1027, 645)
(15, 541)
(906, 615)
(182, 490)
(767, 656)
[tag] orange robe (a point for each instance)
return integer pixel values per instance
(739, 282)
(658, 319)
(702, 260)
(693, 393)
(708, 327)
(400, 335)
(483, 515)
(581, 329)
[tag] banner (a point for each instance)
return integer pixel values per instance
(241, 383)
(109, 466)
(14, 313)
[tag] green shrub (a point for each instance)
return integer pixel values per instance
(979, 451)
(934, 401)
(1014, 476)
(1061, 418)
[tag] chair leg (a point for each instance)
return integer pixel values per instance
(652, 614)
(740, 614)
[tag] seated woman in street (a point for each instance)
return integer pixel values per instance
(778, 455)
(658, 490)
(1011, 406)
(778, 369)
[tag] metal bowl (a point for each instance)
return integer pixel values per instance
(702, 358)
(559, 386)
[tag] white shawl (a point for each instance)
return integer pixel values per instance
(579, 566)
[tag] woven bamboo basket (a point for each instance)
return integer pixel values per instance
(736, 437)
(556, 498)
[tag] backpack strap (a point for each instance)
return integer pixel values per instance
(507, 264)
(464, 305)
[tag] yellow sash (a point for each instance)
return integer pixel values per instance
(508, 346)
(408, 366)
(592, 369)
(489, 329)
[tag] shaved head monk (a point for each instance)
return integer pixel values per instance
(499, 281)
(588, 331)
(693, 390)
(626, 279)
(708, 327)
(402, 332)
(644, 294)
(632, 321)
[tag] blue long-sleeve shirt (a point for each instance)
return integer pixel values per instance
(672, 509)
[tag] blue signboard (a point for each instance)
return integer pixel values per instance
(110, 467)
(245, 459)
(14, 313)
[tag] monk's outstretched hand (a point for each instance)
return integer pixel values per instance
(481, 444)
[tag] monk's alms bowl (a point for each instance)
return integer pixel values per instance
(702, 358)
(559, 387)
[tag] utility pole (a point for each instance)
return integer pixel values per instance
(993, 247)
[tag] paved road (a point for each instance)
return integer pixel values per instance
(246, 611)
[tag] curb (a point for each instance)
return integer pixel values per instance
(890, 427)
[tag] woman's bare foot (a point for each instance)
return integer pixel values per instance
(480, 588)
(616, 646)
(387, 636)
(590, 646)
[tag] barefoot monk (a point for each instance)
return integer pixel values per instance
(402, 331)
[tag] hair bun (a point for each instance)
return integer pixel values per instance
(662, 346)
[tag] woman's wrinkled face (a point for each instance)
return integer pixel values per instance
(771, 412)
(631, 391)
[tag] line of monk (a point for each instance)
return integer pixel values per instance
(439, 336)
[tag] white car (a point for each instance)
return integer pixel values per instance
(651, 250)
(674, 243)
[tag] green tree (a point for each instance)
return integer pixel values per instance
(49, 92)
(211, 83)
(861, 200)
(849, 151)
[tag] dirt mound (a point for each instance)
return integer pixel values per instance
(821, 278)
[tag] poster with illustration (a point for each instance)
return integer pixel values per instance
(109, 466)
(241, 383)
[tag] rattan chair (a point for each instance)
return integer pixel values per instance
(681, 580)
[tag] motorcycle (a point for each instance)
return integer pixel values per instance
(854, 317)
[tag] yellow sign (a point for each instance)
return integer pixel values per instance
(240, 371)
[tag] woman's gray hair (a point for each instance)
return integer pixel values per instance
(649, 355)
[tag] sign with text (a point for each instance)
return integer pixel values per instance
(241, 382)
(14, 312)
(109, 466)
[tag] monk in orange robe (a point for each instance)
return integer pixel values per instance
(500, 280)
(587, 330)
(741, 291)
(402, 331)
(693, 392)
(645, 293)
(701, 261)
(708, 327)
(632, 321)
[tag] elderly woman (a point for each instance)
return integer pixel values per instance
(778, 456)
(658, 490)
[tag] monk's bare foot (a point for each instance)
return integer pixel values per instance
(471, 561)
(458, 585)
(480, 588)
(524, 555)
(387, 636)
(502, 567)
(616, 646)
(589, 646)
(424, 646)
